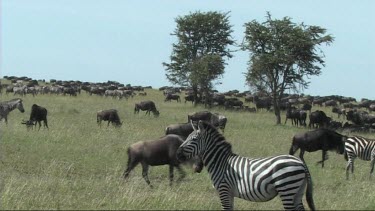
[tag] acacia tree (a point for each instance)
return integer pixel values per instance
(197, 59)
(282, 56)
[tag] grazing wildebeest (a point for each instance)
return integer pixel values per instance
(181, 129)
(215, 119)
(148, 106)
(189, 98)
(318, 119)
(155, 153)
(170, 97)
(339, 111)
(319, 139)
(110, 115)
(38, 114)
(29, 124)
(7, 106)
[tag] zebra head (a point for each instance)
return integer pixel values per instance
(19, 105)
(193, 145)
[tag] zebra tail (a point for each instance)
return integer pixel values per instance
(309, 190)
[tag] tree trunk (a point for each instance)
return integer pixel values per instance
(195, 94)
(276, 107)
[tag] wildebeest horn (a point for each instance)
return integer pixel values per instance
(192, 124)
(23, 122)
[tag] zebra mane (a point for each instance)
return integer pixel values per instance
(218, 136)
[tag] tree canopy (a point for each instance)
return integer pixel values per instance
(282, 56)
(197, 59)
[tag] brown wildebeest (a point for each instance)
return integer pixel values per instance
(181, 129)
(155, 153)
(148, 106)
(319, 139)
(110, 115)
(171, 97)
(215, 119)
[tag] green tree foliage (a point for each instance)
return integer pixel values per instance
(282, 56)
(197, 59)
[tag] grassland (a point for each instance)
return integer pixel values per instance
(77, 165)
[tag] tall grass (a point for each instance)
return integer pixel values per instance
(78, 165)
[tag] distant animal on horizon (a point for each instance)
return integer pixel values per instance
(158, 152)
(110, 115)
(148, 106)
(319, 139)
(7, 106)
(38, 114)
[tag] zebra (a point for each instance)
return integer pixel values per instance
(259, 179)
(360, 147)
(8, 106)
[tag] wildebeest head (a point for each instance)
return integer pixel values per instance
(156, 113)
(29, 124)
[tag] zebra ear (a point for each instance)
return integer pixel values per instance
(192, 124)
(200, 125)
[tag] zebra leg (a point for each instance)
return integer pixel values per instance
(145, 173)
(372, 164)
(226, 197)
(349, 165)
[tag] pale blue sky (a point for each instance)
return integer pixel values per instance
(127, 41)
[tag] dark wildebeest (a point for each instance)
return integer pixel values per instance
(181, 129)
(110, 115)
(170, 97)
(189, 98)
(319, 139)
(155, 153)
(318, 119)
(38, 114)
(29, 124)
(148, 106)
(215, 119)
(339, 111)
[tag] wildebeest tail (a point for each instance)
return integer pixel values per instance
(309, 190)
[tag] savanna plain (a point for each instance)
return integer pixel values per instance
(78, 165)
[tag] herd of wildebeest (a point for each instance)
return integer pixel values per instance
(324, 134)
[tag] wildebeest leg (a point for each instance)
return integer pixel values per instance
(145, 173)
(40, 125)
(46, 124)
(293, 149)
(131, 165)
(301, 153)
(182, 173)
(324, 157)
(171, 174)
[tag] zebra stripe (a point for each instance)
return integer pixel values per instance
(259, 179)
(7, 106)
(360, 147)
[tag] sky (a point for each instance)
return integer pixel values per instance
(128, 40)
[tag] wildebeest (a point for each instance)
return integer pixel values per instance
(215, 119)
(29, 124)
(319, 139)
(170, 97)
(148, 106)
(181, 129)
(157, 152)
(189, 98)
(360, 117)
(7, 106)
(318, 119)
(110, 115)
(339, 111)
(38, 114)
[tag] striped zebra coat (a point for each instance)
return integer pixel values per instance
(259, 180)
(360, 147)
(7, 106)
